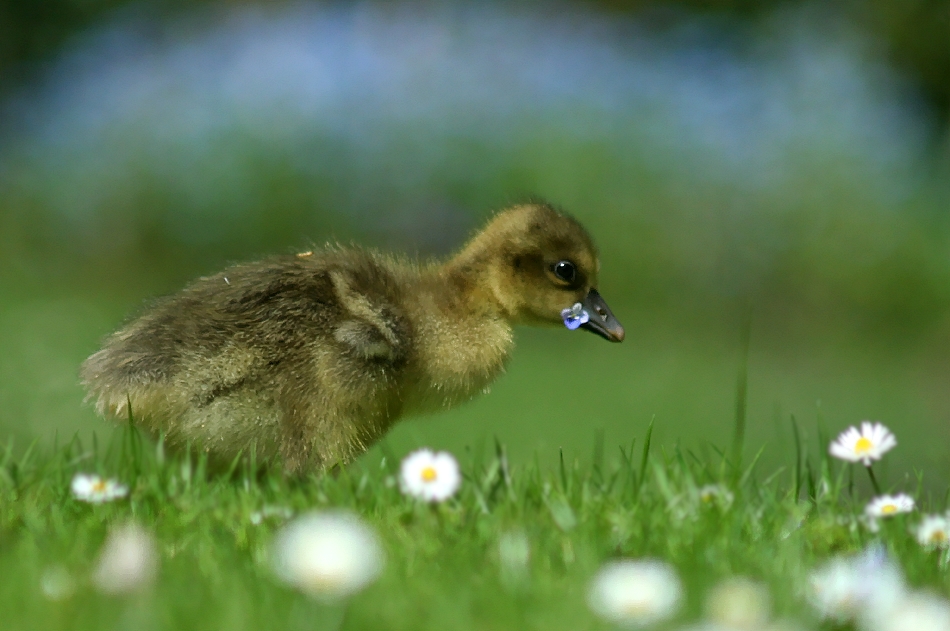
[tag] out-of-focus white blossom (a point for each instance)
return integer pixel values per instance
(739, 604)
(635, 593)
(57, 584)
(856, 588)
(716, 495)
(270, 512)
(128, 561)
(514, 554)
(89, 487)
(934, 531)
(917, 611)
(328, 554)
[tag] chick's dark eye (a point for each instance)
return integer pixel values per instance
(566, 271)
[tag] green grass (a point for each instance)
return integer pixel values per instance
(560, 388)
(443, 570)
(850, 289)
(851, 320)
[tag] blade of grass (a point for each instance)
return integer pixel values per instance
(229, 472)
(742, 391)
(702, 464)
(798, 458)
(597, 458)
(563, 471)
(810, 479)
(501, 454)
(388, 456)
(877, 487)
(768, 481)
(627, 466)
(751, 467)
(646, 454)
(851, 483)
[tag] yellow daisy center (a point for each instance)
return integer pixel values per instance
(99, 486)
(863, 445)
(889, 509)
(429, 474)
(938, 536)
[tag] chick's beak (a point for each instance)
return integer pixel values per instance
(602, 320)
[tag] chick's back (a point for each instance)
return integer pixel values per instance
(270, 353)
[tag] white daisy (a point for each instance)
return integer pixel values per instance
(778, 625)
(739, 604)
(716, 494)
(328, 554)
(784, 625)
(89, 487)
(269, 512)
(514, 555)
(889, 505)
(918, 611)
(848, 588)
(57, 584)
(430, 476)
(835, 590)
(128, 561)
(934, 531)
(870, 443)
(705, 625)
(635, 593)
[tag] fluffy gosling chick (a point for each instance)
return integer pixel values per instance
(311, 358)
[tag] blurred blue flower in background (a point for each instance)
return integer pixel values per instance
(384, 97)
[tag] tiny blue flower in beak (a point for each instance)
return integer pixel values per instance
(575, 316)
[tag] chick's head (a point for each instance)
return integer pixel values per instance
(544, 264)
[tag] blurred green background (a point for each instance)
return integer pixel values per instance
(785, 159)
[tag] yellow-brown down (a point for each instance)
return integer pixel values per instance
(309, 359)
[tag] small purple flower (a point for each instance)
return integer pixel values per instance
(575, 316)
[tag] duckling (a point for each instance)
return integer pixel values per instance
(309, 359)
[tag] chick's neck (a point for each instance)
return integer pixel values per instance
(474, 279)
(463, 341)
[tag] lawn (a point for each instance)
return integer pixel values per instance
(448, 565)
(723, 184)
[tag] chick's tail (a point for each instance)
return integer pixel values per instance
(115, 378)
